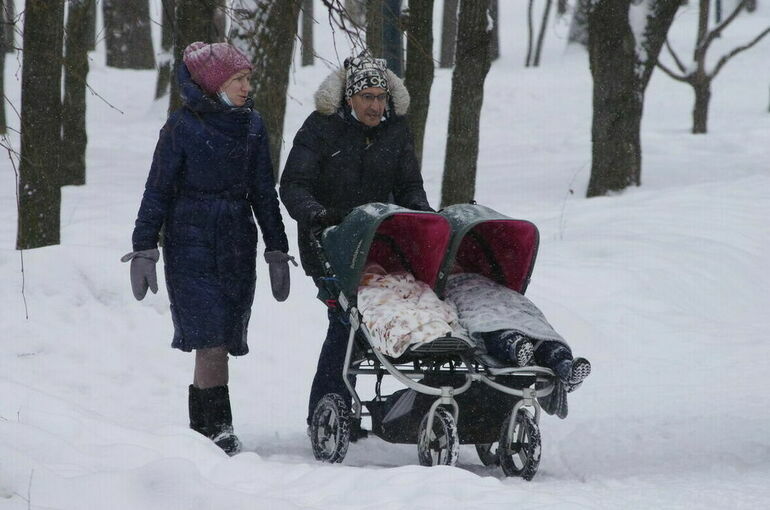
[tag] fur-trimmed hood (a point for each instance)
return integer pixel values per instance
(330, 94)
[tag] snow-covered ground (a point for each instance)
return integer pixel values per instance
(663, 287)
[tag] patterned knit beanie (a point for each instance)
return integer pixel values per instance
(211, 65)
(362, 72)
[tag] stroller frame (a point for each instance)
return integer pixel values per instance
(519, 432)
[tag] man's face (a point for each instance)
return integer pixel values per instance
(369, 105)
(237, 87)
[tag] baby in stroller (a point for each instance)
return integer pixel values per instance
(403, 311)
(511, 328)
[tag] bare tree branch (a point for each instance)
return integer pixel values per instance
(675, 57)
(671, 73)
(340, 17)
(704, 45)
(739, 49)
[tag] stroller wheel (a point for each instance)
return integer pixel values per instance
(487, 455)
(330, 429)
(441, 444)
(519, 453)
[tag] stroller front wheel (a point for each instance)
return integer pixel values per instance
(440, 444)
(519, 453)
(330, 429)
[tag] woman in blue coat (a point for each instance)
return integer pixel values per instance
(210, 175)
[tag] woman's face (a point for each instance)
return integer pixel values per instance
(237, 87)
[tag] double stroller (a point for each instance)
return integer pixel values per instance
(453, 393)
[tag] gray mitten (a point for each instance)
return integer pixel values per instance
(279, 273)
(143, 274)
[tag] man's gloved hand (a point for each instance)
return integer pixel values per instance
(143, 274)
(279, 273)
(329, 217)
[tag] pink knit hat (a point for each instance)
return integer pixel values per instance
(211, 65)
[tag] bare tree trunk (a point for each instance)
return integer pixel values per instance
(356, 10)
(541, 35)
(219, 24)
(166, 57)
(264, 30)
(700, 110)
(128, 34)
(9, 28)
(620, 80)
(3, 49)
(448, 33)
(717, 11)
(308, 54)
(578, 29)
(472, 65)
(39, 185)
(74, 137)
(393, 36)
(697, 76)
(703, 21)
(419, 67)
(494, 43)
(92, 27)
(617, 108)
(193, 22)
(374, 27)
(530, 30)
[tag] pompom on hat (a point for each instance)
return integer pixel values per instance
(211, 65)
(364, 71)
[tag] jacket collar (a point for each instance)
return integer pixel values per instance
(330, 96)
(196, 100)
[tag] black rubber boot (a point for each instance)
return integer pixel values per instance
(219, 419)
(195, 407)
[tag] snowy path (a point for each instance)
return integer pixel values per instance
(664, 288)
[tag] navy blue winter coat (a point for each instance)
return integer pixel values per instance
(211, 168)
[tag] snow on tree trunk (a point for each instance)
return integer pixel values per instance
(39, 185)
(578, 29)
(472, 62)
(74, 137)
(128, 34)
(419, 67)
(494, 41)
(617, 104)
(265, 30)
(166, 57)
(448, 33)
(624, 44)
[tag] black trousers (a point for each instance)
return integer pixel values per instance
(328, 374)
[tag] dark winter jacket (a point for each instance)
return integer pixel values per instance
(211, 168)
(339, 163)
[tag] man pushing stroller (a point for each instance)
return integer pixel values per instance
(354, 149)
